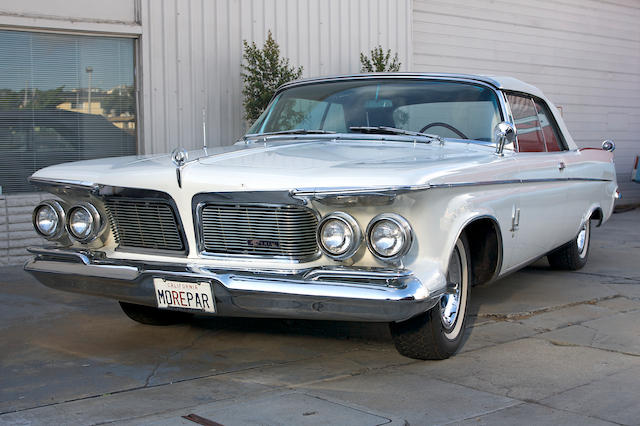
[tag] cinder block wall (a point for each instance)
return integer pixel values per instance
(16, 230)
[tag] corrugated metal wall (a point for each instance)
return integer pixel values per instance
(584, 54)
(192, 50)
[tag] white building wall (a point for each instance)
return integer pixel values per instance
(192, 50)
(583, 54)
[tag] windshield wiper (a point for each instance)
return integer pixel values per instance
(291, 132)
(384, 130)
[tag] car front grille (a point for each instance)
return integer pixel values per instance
(258, 230)
(144, 223)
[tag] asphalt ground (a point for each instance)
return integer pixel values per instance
(543, 347)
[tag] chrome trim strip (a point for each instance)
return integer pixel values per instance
(354, 272)
(358, 191)
(516, 181)
(61, 253)
(68, 183)
(324, 192)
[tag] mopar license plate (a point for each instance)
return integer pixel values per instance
(184, 295)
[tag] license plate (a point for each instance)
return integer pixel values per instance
(184, 295)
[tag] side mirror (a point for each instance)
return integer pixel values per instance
(504, 134)
(608, 145)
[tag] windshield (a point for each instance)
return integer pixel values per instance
(444, 108)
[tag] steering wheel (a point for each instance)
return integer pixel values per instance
(446, 126)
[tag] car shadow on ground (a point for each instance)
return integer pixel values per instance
(339, 330)
(372, 332)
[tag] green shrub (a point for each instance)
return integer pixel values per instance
(263, 72)
(379, 61)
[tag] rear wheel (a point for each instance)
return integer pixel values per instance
(153, 316)
(573, 255)
(438, 333)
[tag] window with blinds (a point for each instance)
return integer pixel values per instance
(63, 98)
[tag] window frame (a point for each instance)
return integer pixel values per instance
(550, 116)
(109, 30)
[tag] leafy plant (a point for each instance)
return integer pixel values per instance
(263, 72)
(379, 61)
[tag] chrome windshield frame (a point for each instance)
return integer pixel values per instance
(505, 112)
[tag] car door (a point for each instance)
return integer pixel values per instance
(541, 219)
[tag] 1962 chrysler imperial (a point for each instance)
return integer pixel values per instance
(375, 197)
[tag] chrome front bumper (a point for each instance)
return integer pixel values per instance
(332, 294)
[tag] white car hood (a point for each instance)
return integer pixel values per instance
(285, 165)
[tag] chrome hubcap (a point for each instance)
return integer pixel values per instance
(582, 239)
(450, 301)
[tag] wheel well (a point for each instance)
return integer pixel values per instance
(596, 214)
(485, 247)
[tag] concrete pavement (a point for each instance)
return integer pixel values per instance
(545, 347)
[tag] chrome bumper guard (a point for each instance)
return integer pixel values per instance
(348, 294)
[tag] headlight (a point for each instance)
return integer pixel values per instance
(389, 236)
(48, 219)
(339, 235)
(83, 222)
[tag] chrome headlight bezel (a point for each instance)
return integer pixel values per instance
(60, 219)
(405, 229)
(95, 222)
(350, 222)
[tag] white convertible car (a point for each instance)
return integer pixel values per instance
(376, 197)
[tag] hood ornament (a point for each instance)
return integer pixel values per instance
(179, 157)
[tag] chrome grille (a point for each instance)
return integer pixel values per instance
(260, 230)
(144, 223)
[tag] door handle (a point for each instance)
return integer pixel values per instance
(562, 166)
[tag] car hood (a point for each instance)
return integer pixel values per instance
(286, 165)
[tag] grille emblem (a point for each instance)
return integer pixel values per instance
(263, 243)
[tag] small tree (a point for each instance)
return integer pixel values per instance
(263, 72)
(379, 61)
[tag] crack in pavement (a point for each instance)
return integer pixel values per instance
(172, 355)
(635, 280)
(577, 345)
(529, 314)
(151, 386)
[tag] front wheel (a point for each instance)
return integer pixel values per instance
(153, 316)
(573, 255)
(438, 333)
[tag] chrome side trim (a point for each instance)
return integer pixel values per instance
(516, 181)
(373, 190)
(319, 193)
(342, 272)
(67, 183)
(80, 256)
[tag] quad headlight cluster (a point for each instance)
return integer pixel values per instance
(388, 236)
(82, 222)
